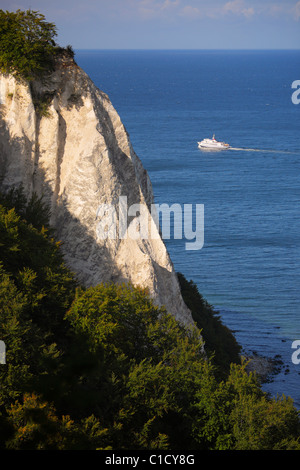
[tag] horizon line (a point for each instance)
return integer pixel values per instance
(183, 49)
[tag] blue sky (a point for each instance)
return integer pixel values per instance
(171, 24)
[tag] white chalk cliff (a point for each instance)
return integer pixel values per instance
(79, 157)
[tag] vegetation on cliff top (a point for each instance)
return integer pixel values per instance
(104, 368)
(27, 46)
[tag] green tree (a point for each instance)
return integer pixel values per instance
(35, 290)
(149, 368)
(27, 45)
(220, 343)
(44, 356)
(36, 425)
(163, 392)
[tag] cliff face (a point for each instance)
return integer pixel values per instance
(77, 154)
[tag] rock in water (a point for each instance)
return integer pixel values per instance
(63, 139)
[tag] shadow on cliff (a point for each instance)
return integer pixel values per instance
(90, 261)
(79, 247)
(132, 169)
(70, 88)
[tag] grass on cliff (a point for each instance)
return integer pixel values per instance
(104, 368)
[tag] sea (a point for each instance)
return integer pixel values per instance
(248, 268)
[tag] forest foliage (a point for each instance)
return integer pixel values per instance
(104, 368)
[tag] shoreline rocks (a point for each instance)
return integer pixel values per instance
(264, 367)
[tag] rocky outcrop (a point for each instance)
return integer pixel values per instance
(63, 139)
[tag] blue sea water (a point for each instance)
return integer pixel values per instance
(248, 268)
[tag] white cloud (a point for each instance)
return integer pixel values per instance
(149, 9)
(238, 7)
(288, 9)
(169, 4)
(172, 10)
(296, 11)
(190, 12)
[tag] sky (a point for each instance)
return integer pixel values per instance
(170, 24)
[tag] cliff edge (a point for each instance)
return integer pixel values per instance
(62, 139)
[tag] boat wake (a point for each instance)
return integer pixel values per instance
(261, 150)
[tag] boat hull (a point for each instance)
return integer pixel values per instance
(213, 147)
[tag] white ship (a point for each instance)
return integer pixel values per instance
(212, 144)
